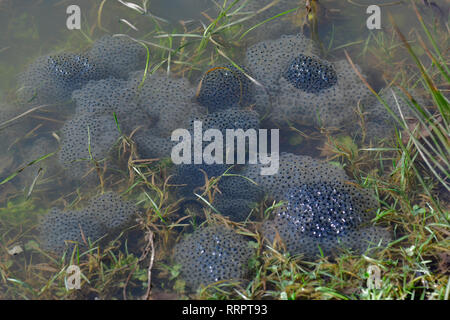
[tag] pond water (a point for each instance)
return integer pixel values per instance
(76, 126)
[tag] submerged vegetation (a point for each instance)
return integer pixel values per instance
(409, 172)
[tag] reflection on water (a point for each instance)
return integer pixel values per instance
(65, 139)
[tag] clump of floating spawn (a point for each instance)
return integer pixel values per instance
(118, 55)
(267, 60)
(310, 74)
(166, 99)
(321, 208)
(151, 145)
(52, 78)
(231, 119)
(328, 209)
(211, 254)
(105, 109)
(236, 209)
(112, 97)
(191, 177)
(301, 87)
(293, 170)
(225, 87)
(234, 185)
(167, 102)
(237, 196)
(323, 218)
(85, 139)
(105, 214)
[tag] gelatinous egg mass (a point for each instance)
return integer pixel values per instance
(71, 67)
(320, 210)
(223, 88)
(310, 74)
(212, 254)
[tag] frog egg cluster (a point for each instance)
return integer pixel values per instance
(237, 196)
(229, 119)
(154, 107)
(92, 132)
(166, 101)
(193, 175)
(52, 78)
(106, 108)
(62, 230)
(118, 55)
(105, 214)
(152, 146)
(213, 254)
(111, 97)
(302, 88)
(398, 104)
(232, 119)
(225, 87)
(233, 186)
(294, 170)
(104, 96)
(85, 138)
(327, 209)
(329, 216)
(235, 209)
(310, 74)
(333, 107)
(267, 60)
